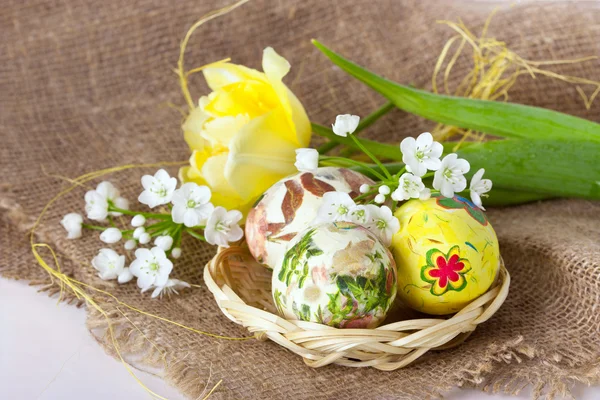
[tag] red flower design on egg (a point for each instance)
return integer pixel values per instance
(445, 271)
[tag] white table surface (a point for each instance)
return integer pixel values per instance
(47, 353)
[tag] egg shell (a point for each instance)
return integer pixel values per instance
(446, 253)
(290, 205)
(338, 274)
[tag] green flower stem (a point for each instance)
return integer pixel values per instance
(364, 123)
(164, 227)
(365, 195)
(345, 162)
(327, 147)
(94, 227)
(398, 174)
(195, 234)
(112, 207)
(371, 156)
(499, 196)
(381, 150)
(393, 168)
(177, 236)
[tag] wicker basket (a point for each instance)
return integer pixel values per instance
(242, 289)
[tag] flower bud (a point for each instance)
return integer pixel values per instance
(145, 238)
(138, 232)
(176, 252)
(72, 223)
(125, 276)
(111, 235)
(384, 190)
(138, 220)
(163, 242)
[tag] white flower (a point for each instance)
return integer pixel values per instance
(97, 201)
(109, 264)
(158, 189)
(383, 223)
(145, 238)
(191, 205)
(72, 223)
(96, 206)
(380, 198)
(478, 187)
(138, 232)
(122, 203)
(359, 215)
(138, 220)
(170, 287)
(345, 124)
(384, 190)
(108, 190)
(151, 267)
(176, 252)
(125, 276)
(425, 194)
(163, 242)
(222, 227)
(335, 206)
(307, 159)
(409, 187)
(364, 188)
(450, 177)
(111, 235)
(421, 154)
(130, 244)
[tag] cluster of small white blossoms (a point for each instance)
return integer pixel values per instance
(184, 210)
(423, 154)
(422, 158)
(339, 206)
(419, 155)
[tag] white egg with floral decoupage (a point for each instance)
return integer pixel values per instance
(338, 274)
(290, 205)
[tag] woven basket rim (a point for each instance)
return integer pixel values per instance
(387, 347)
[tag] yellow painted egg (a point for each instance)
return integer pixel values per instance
(446, 252)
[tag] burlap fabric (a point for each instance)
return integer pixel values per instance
(85, 85)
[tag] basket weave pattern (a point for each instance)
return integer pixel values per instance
(242, 290)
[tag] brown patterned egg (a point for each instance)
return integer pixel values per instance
(290, 205)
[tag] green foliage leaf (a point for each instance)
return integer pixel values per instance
(567, 168)
(498, 118)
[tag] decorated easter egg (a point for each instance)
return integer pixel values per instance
(446, 252)
(290, 205)
(338, 274)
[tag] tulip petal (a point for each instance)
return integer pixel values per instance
(260, 154)
(276, 67)
(300, 120)
(213, 171)
(223, 194)
(192, 128)
(219, 131)
(223, 74)
(251, 98)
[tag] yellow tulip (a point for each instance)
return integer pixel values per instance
(244, 134)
